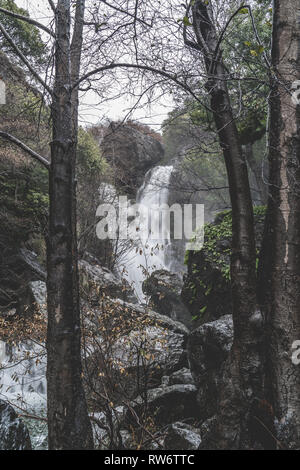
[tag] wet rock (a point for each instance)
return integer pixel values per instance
(164, 289)
(13, 433)
(97, 281)
(182, 376)
(132, 153)
(165, 350)
(17, 271)
(208, 349)
(166, 338)
(148, 346)
(166, 404)
(182, 436)
(31, 265)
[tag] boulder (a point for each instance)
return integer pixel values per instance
(28, 260)
(14, 434)
(182, 376)
(97, 281)
(163, 348)
(166, 338)
(208, 349)
(131, 153)
(142, 347)
(165, 405)
(164, 289)
(182, 436)
(17, 271)
(207, 291)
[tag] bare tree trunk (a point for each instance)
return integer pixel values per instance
(68, 421)
(280, 264)
(242, 383)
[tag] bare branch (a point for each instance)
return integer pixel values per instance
(53, 7)
(163, 73)
(134, 16)
(29, 151)
(28, 20)
(187, 41)
(23, 58)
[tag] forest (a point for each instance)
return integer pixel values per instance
(149, 226)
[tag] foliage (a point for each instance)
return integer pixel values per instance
(89, 158)
(197, 154)
(25, 35)
(218, 231)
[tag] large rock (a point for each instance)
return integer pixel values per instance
(164, 289)
(208, 349)
(207, 290)
(131, 153)
(97, 281)
(182, 436)
(19, 269)
(142, 347)
(13, 433)
(165, 405)
(182, 376)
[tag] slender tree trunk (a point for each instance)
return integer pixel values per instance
(242, 381)
(68, 421)
(280, 262)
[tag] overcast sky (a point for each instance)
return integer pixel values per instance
(115, 110)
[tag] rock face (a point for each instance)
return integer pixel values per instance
(208, 349)
(182, 436)
(206, 291)
(132, 153)
(13, 432)
(19, 269)
(182, 376)
(164, 289)
(97, 281)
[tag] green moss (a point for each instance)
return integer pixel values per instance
(215, 232)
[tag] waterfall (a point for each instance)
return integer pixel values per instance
(148, 254)
(23, 374)
(23, 384)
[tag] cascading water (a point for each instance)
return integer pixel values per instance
(148, 253)
(23, 384)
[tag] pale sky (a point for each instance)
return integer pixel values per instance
(115, 110)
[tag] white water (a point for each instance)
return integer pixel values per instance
(148, 254)
(23, 384)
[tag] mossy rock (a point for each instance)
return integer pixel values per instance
(206, 291)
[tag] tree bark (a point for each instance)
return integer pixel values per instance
(242, 381)
(280, 260)
(68, 422)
